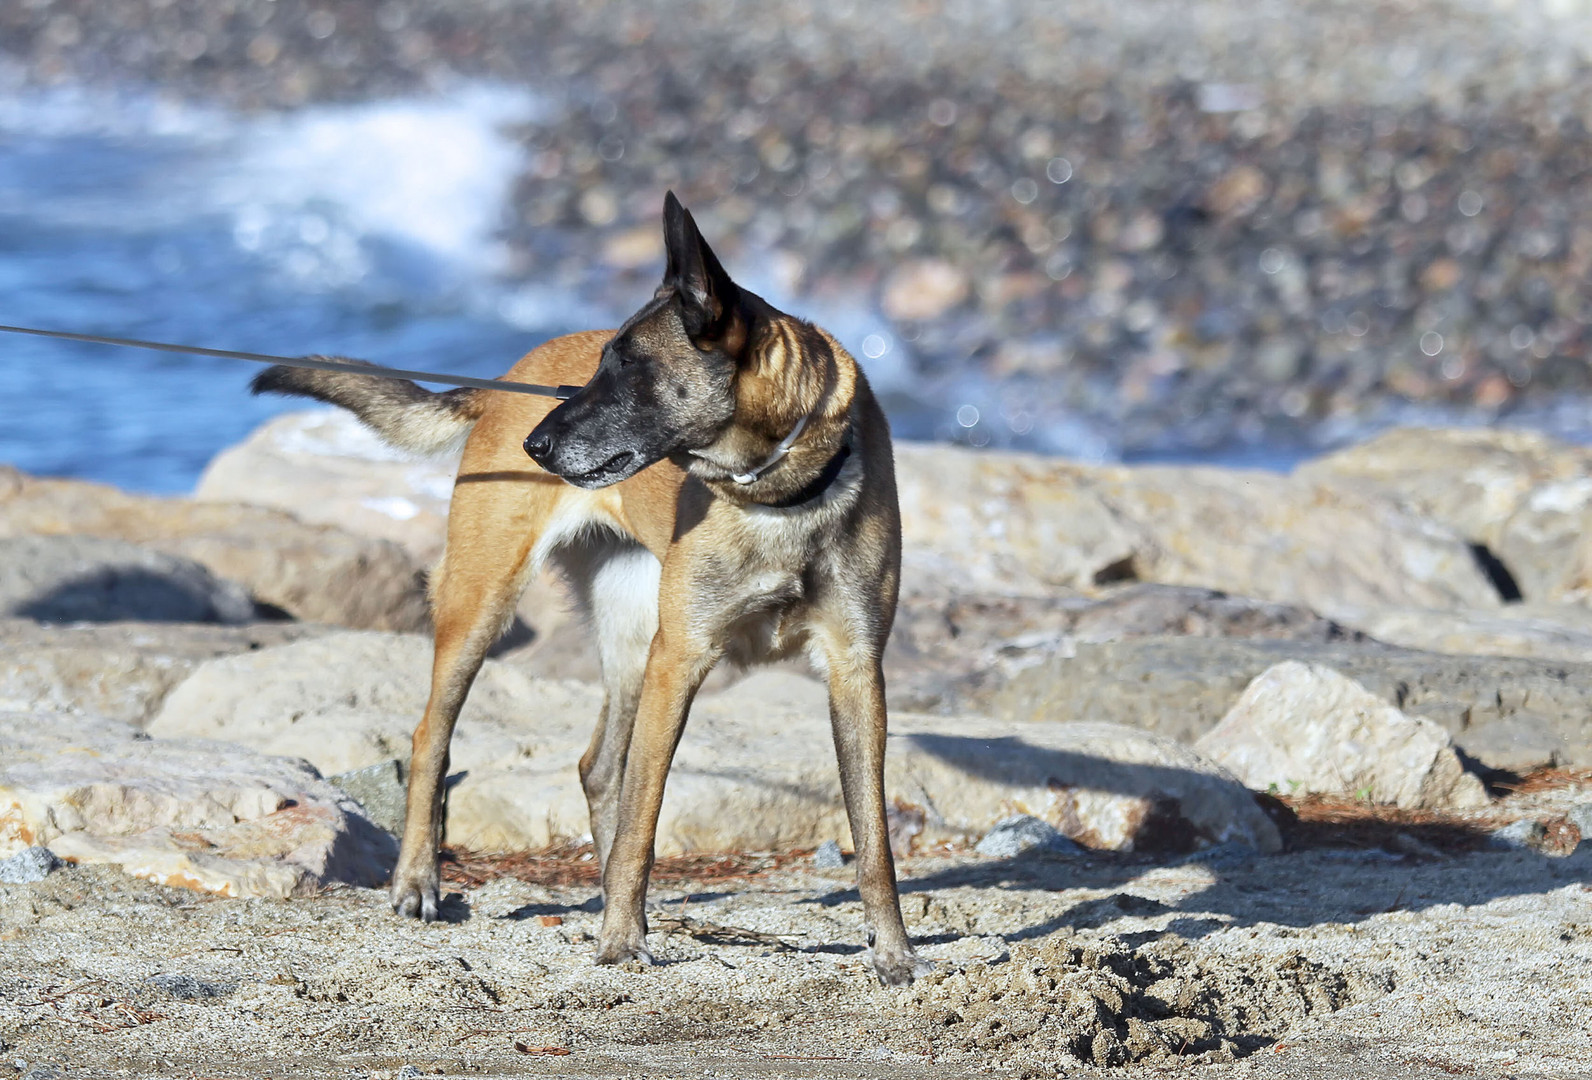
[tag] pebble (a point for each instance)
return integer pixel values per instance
(829, 856)
(381, 789)
(1580, 816)
(1525, 834)
(188, 988)
(1020, 833)
(30, 864)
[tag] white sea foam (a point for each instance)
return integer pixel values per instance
(433, 172)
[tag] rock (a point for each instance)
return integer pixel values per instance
(828, 856)
(1306, 729)
(183, 812)
(188, 988)
(1238, 192)
(121, 671)
(381, 791)
(754, 771)
(955, 652)
(1580, 815)
(1019, 833)
(316, 573)
(28, 865)
(326, 468)
(1507, 713)
(1018, 524)
(1526, 497)
(1102, 785)
(1006, 524)
(1523, 835)
(923, 289)
(1547, 631)
(92, 579)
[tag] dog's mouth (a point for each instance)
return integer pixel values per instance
(614, 469)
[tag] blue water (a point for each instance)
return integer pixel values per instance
(114, 222)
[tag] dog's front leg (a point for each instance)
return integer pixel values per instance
(675, 668)
(416, 882)
(857, 717)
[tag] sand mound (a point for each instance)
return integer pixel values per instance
(1062, 1003)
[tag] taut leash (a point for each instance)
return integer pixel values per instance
(314, 362)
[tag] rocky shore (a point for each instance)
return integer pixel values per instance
(1123, 230)
(1162, 738)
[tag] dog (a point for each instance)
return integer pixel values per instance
(721, 487)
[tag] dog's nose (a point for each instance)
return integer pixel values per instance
(538, 447)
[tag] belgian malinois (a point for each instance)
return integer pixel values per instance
(721, 486)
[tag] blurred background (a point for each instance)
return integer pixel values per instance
(1109, 229)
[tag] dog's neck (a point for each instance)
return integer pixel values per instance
(751, 476)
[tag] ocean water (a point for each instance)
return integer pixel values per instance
(365, 231)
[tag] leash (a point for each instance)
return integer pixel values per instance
(314, 362)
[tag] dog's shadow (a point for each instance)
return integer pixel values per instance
(590, 906)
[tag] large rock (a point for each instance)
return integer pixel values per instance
(1526, 497)
(183, 812)
(952, 653)
(976, 523)
(326, 468)
(1507, 713)
(1023, 524)
(1306, 729)
(121, 671)
(1547, 631)
(92, 579)
(1103, 785)
(312, 572)
(755, 770)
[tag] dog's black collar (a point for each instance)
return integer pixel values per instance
(819, 484)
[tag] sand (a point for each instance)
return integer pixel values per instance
(1326, 961)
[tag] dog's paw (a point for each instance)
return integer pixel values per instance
(415, 899)
(899, 969)
(624, 953)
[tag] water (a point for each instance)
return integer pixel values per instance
(365, 231)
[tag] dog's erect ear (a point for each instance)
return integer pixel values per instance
(706, 291)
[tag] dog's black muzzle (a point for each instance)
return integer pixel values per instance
(563, 445)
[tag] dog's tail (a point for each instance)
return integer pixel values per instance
(403, 414)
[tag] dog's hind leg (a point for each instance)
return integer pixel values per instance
(491, 532)
(618, 586)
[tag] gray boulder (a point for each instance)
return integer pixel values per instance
(92, 579)
(953, 651)
(28, 865)
(316, 573)
(1024, 524)
(121, 670)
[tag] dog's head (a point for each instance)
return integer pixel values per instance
(665, 383)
